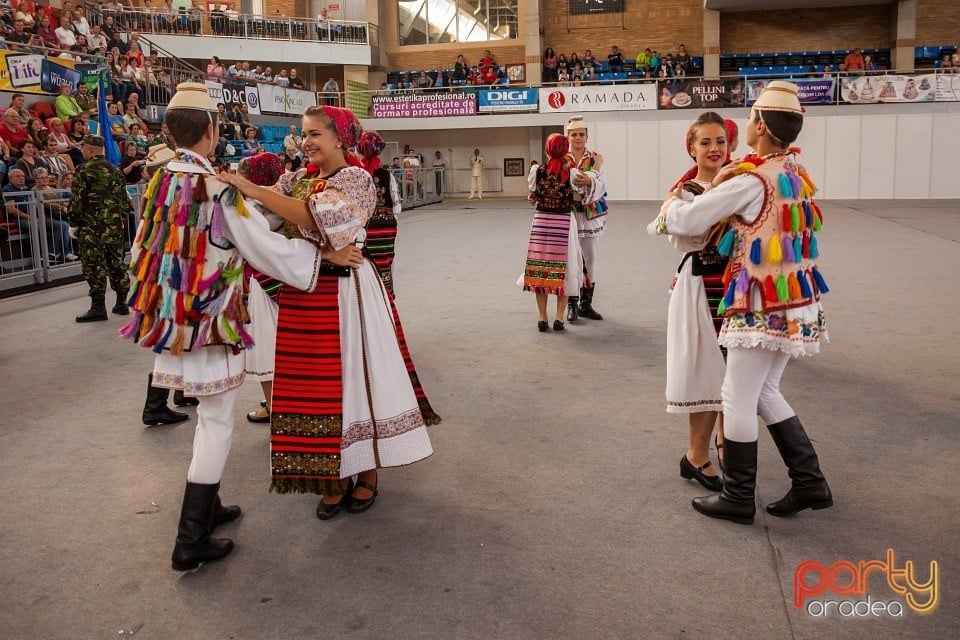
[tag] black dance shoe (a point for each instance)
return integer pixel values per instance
(690, 472)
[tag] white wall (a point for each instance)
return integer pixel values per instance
(859, 153)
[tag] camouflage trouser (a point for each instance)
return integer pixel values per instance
(103, 259)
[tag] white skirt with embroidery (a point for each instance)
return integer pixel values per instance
(796, 332)
(205, 372)
(695, 366)
(371, 353)
(263, 327)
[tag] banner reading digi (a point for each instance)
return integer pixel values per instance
(31, 73)
(506, 99)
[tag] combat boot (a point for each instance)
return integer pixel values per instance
(98, 310)
(121, 308)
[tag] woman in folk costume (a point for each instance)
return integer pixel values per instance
(771, 305)
(382, 228)
(588, 177)
(343, 401)
(263, 169)
(188, 261)
(694, 362)
(553, 254)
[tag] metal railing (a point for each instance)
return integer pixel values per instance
(34, 250)
(231, 24)
(419, 187)
(459, 180)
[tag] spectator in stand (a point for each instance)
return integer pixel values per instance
(52, 159)
(116, 42)
(615, 59)
(86, 100)
(131, 166)
(588, 60)
(46, 34)
(251, 146)
(474, 78)
(167, 18)
(11, 131)
(295, 81)
(66, 105)
(77, 131)
(130, 76)
(29, 23)
(323, 25)
(135, 54)
(268, 75)
(96, 40)
(215, 70)
(589, 76)
(79, 23)
(28, 161)
(19, 35)
(869, 66)
(683, 59)
(563, 67)
(131, 117)
(577, 72)
(424, 81)
(235, 70)
(138, 139)
(37, 132)
(109, 27)
(827, 71)
(549, 71)
(853, 62)
(291, 159)
(64, 144)
(195, 17)
(293, 139)
(118, 128)
(643, 62)
(331, 92)
(18, 103)
(487, 60)
(563, 80)
(58, 231)
(946, 63)
(164, 137)
(282, 79)
(489, 75)
(574, 61)
(460, 69)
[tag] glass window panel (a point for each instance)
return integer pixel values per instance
(439, 21)
(413, 21)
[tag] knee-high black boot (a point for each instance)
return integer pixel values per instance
(194, 544)
(586, 303)
(573, 312)
(809, 488)
(155, 409)
(184, 401)
(736, 501)
(223, 514)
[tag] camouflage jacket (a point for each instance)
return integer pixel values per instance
(99, 199)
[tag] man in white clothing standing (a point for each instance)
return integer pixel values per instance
(476, 175)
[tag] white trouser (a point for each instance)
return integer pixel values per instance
(476, 186)
(750, 386)
(588, 247)
(211, 440)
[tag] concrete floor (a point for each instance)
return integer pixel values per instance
(552, 508)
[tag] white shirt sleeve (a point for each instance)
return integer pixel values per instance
(295, 262)
(741, 196)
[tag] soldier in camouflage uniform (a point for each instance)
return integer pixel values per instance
(99, 207)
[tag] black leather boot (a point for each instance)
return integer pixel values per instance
(121, 308)
(809, 489)
(97, 311)
(224, 514)
(194, 544)
(573, 312)
(184, 401)
(155, 409)
(586, 303)
(736, 501)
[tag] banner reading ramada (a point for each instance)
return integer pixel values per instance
(424, 105)
(616, 97)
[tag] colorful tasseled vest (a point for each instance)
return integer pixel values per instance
(776, 252)
(188, 278)
(599, 207)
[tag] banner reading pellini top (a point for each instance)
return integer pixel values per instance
(275, 99)
(31, 73)
(701, 94)
(617, 97)
(507, 99)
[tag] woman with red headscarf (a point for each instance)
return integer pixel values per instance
(695, 365)
(343, 403)
(554, 242)
(382, 228)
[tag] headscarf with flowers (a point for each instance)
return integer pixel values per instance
(370, 146)
(556, 148)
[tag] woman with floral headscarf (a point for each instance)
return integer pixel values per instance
(553, 236)
(382, 228)
(341, 403)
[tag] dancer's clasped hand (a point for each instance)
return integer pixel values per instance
(349, 256)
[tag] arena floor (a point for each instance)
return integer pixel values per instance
(552, 508)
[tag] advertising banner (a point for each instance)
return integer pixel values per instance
(253, 100)
(32, 73)
(507, 99)
(812, 90)
(293, 102)
(229, 94)
(617, 97)
(700, 94)
(424, 105)
(929, 87)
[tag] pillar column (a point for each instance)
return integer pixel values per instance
(903, 34)
(711, 43)
(530, 24)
